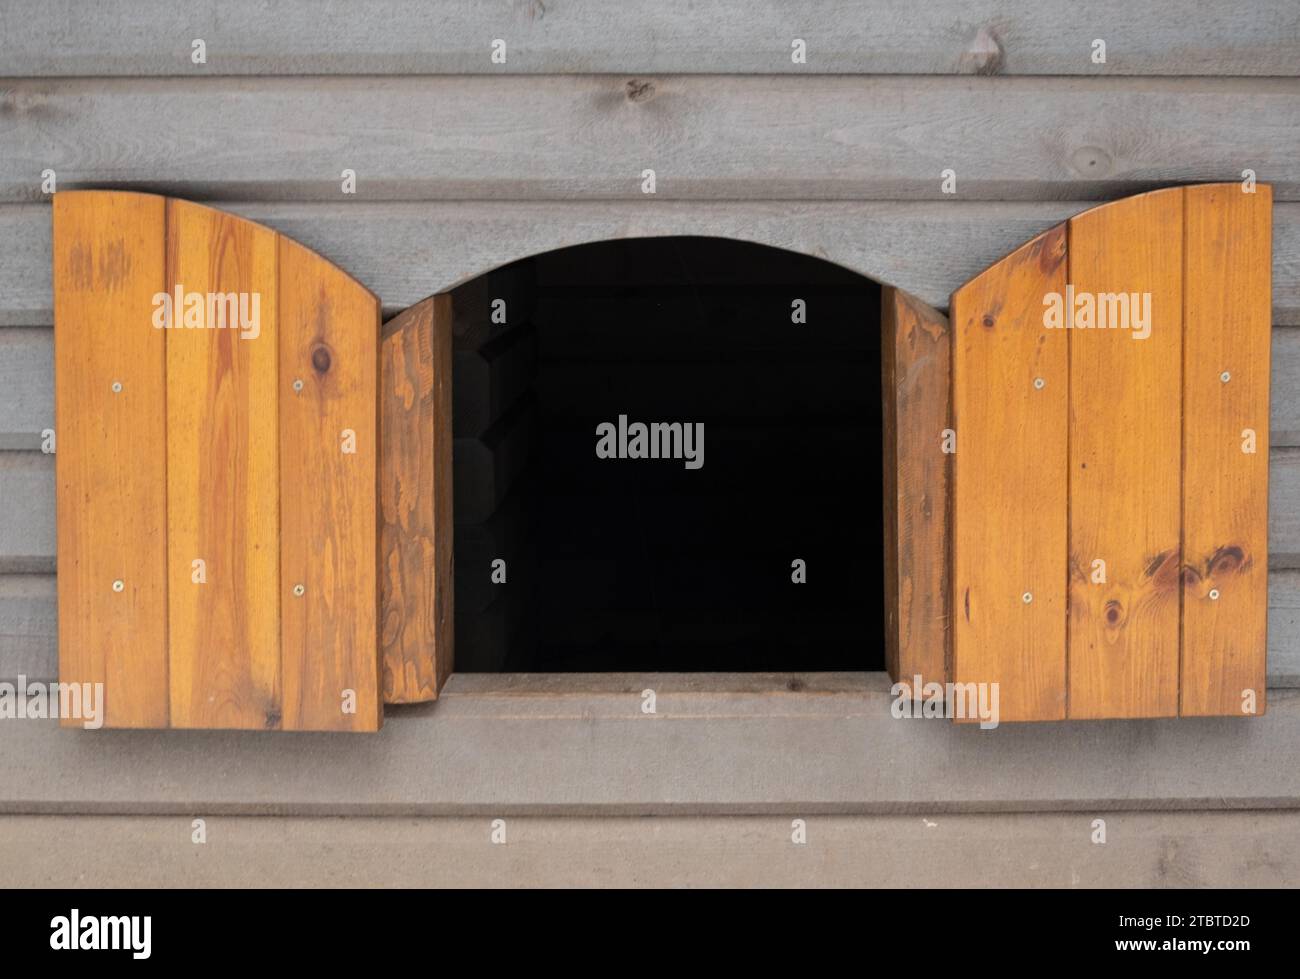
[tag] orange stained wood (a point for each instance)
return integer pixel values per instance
(1126, 457)
(416, 502)
(223, 476)
(1010, 388)
(329, 452)
(915, 356)
(1226, 351)
(111, 452)
(235, 486)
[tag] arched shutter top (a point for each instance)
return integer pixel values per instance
(1110, 397)
(217, 465)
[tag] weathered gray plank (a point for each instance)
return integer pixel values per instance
(1049, 37)
(26, 387)
(708, 137)
(1284, 507)
(29, 626)
(502, 746)
(402, 252)
(1283, 628)
(26, 513)
(1174, 849)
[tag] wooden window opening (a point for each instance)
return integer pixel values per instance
(1077, 515)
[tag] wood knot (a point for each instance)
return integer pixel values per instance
(640, 90)
(984, 54)
(1227, 560)
(988, 321)
(320, 358)
(794, 684)
(272, 719)
(1164, 570)
(1114, 613)
(1091, 161)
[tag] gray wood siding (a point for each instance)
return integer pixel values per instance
(500, 746)
(463, 166)
(406, 251)
(589, 137)
(1045, 37)
(1143, 849)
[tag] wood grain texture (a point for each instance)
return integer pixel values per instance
(916, 350)
(1009, 490)
(111, 458)
(223, 479)
(395, 37)
(1125, 463)
(924, 248)
(416, 574)
(830, 137)
(329, 477)
(1225, 489)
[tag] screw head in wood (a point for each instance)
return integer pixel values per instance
(299, 590)
(1225, 377)
(1027, 597)
(1214, 594)
(117, 387)
(119, 584)
(297, 384)
(1039, 384)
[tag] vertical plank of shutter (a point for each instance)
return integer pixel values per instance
(329, 535)
(915, 354)
(416, 501)
(111, 451)
(1009, 491)
(1126, 462)
(223, 480)
(1225, 490)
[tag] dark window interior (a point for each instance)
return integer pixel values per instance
(644, 564)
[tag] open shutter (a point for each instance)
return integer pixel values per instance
(1111, 476)
(416, 497)
(217, 467)
(915, 378)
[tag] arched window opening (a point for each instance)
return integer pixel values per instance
(667, 457)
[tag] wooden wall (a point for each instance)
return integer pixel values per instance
(462, 164)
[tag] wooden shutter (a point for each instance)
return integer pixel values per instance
(216, 481)
(1110, 491)
(915, 350)
(416, 497)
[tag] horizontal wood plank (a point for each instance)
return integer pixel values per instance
(502, 746)
(984, 37)
(29, 626)
(1152, 849)
(707, 137)
(27, 531)
(27, 388)
(399, 251)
